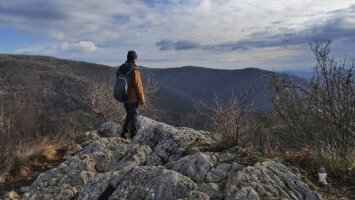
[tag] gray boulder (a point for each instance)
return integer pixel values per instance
(140, 182)
(110, 129)
(268, 180)
(213, 190)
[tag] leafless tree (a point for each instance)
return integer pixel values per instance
(9, 113)
(320, 111)
(227, 118)
(97, 106)
(8, 116)
(190, 120)
(104, 107)
(152, 109)
(100, 101)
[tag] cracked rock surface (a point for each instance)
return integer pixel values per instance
(161, 162)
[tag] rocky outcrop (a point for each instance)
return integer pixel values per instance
(267, 180)
(161, 162)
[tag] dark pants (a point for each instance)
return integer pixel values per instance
(131, 118)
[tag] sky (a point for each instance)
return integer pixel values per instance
(228, 34)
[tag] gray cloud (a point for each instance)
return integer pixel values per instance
(334, 28)
(179, 45)
(40, 10)
(185, 45)
(165, 45)
(350, 9)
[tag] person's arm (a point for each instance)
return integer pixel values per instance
(139, 86)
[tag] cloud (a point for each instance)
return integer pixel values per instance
(168, 28)
(165, 45)
(179, 45)
(56, 35)
(40, 10)
(185, 45)
(336, 27)
(78, 47)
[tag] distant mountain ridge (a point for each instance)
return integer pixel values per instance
(199, 82)
(191, 83)
(300, 73)
(45, 82)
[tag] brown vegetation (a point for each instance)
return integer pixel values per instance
(228, 120)
(151, 108)
(320, 113)
(101, 106)
(25, 158)
(63, 99)
(311, 123)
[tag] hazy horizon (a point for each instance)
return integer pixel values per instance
(223, 34)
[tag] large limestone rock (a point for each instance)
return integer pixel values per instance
(199, 167)
(169, 143)
(142, 182)
(268, 180)
(161, 162)
(110, 129)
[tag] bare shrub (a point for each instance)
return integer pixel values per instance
(263, 123)
(152, 109)
(100, 102)
(227, 119)
(99, 105)
(191, 120)
(9, 113)
(320, 112)
(8, 139)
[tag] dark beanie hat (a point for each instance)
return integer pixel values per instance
(131, 56)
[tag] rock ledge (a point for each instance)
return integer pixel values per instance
(161, 162)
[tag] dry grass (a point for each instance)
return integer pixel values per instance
(20, 170)
(27, 156)
(49, 152)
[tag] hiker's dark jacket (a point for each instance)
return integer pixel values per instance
(135, 86)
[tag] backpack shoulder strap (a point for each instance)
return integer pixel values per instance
(131, 70)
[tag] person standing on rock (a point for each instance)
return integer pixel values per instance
(135, 93)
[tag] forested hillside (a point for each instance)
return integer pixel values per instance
(49, 88)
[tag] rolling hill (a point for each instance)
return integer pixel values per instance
(46, 81)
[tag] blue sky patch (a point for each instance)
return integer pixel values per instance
(12, 39)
